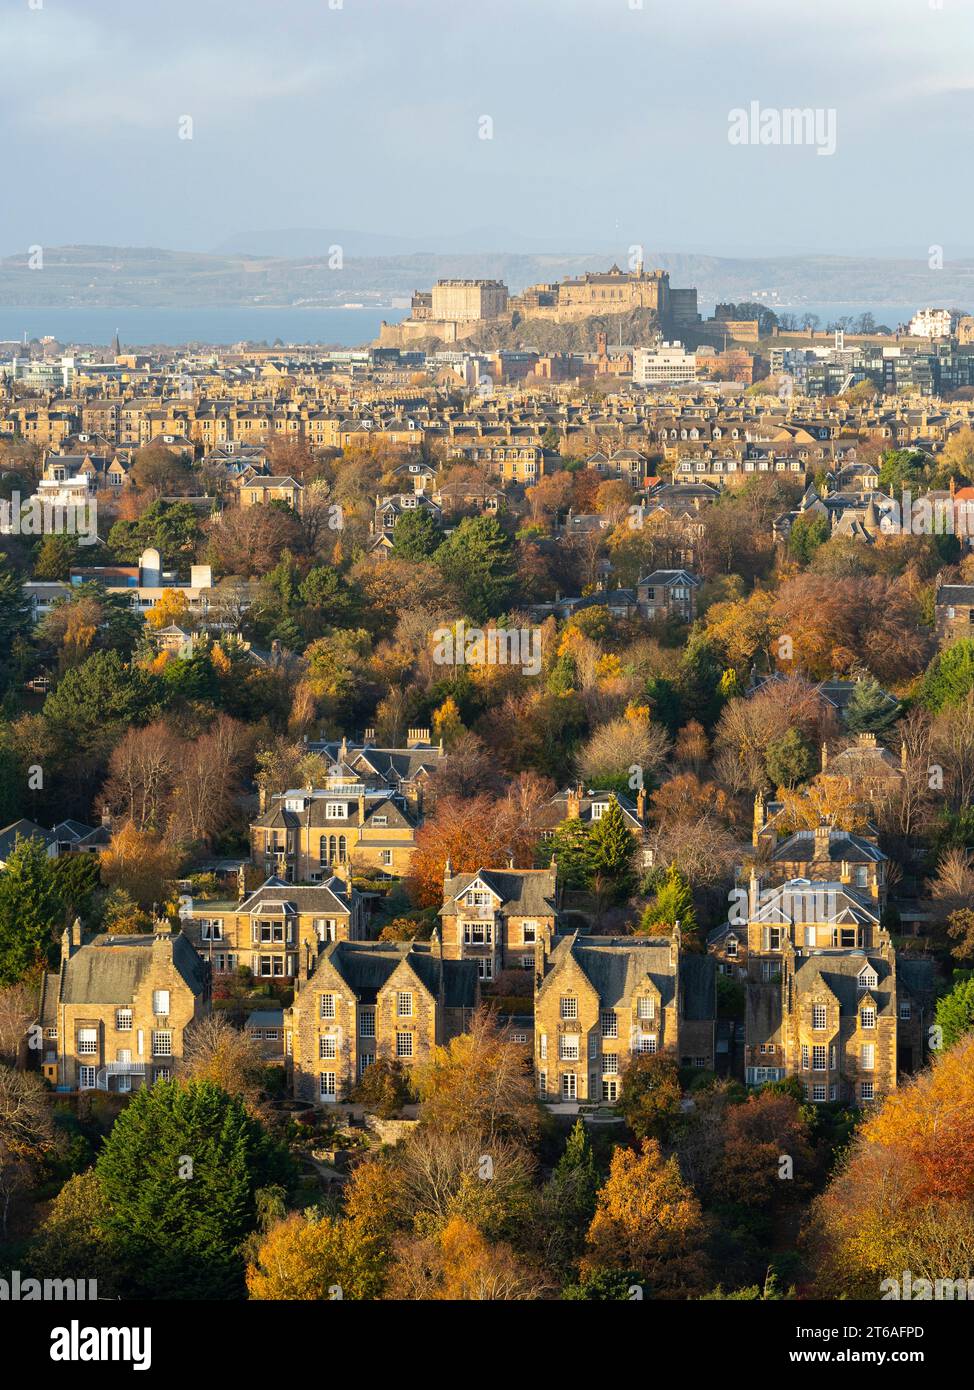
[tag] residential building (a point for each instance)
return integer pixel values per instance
(368, 1000)
(276, 928)
(499, 918)
(599, 1001)
(115, 1016)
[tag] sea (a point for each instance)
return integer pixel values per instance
(344, 327)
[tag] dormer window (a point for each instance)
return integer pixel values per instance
(336, 810)
(598, 809)
(868, 979)
(294, 803)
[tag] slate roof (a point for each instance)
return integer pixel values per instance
(22, 830)
(109, 969)
(556, 810)
(843, 847)
(839, 971)
(275, 894)
(616, 965)
(812, 900)
(277, 816)
(365, 966)
(523, 892)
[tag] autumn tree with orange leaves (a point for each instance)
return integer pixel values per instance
(648, 1220)
(474, 833)
(904, 1197)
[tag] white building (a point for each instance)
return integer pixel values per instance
(664, 364)
(932, 323)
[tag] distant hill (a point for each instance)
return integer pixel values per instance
(150, 277)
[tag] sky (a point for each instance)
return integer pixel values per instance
(609, 122)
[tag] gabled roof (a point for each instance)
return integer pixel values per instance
(109, 969)
(812, 900)
(22, 830)
(522, 892)
(276, 895)
(366, 966)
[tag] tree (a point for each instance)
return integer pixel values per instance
(870, 709)
(571, 845)
(808, 532)
(55, 556)
(140, 863)
(14, 611)
(648, 1220)
(903, 468)
(472, 833)
(459, 1264)
(480, 1082)
(141, 772)
(180, 1171)
(651, 1094)
(672, 905)
(73, 1241)
(476, 561)
(960, 928)
(249, 540)
(215, 1051)
(335, 670)
(171, 607)
(31, 911)
(207, 781)
(949, 679)
(172, 529)
(329, 600)
(308, 1256)
(955, 1012)
(26, 1134)
(122, 916)
(788, 759)
(96, 701)
(619, 745)
(442, 1174)
(160, 472)
(384, 1088)
(416, 535)
(613, 850)
(18, 1010)
(903, 1199)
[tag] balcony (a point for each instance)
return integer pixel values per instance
(111, 1069)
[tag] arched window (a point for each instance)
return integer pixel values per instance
(342, 848)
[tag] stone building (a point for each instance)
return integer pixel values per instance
(499, 918)
(308, 832)
(825, 852)
(827, 998)
(269, 930)
(600, 1000)
(955, 612)
(114, 1017)
(666, 593)
(365, 1000)
(459, 301)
